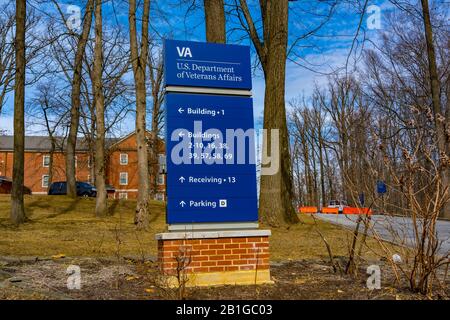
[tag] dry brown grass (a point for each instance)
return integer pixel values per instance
(59, 225)
(302, 241)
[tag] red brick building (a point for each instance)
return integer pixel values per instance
(121, 164)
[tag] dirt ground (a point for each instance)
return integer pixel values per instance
(117, 261)
(60, 225)
(127, 279)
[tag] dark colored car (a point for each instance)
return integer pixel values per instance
(84, 189)
(6, 186)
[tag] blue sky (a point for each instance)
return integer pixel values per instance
(318, 55)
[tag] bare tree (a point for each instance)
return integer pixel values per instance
(6, 52)
(215, 21)
(382, 126)
(276, 191)
(156, 68)
(118, 96)
(35, 60)
(48, 111)
(17, 203)
(441, 117)
(75, 100)
(99, 101)
(139, 58)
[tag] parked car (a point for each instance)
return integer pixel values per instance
(6, 186)
(340, 204)
(84, 189)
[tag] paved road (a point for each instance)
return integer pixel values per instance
(396, 229)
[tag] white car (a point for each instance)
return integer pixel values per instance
(338, 204)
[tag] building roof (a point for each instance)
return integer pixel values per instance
(43, 143)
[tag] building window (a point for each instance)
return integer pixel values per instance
(45, 179)
(123, 195)
(162, 162)
(46, 161)
(123, 159)
(76, 161)
(123, 180)
(159, 196)
(160, 179)
(90, 162)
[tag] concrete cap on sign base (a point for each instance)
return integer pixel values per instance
(212, 234)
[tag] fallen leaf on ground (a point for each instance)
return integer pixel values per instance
(300, 281)
(59, 256)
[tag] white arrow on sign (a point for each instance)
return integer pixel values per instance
(182, 179)
(180, 110)
(182, 204)
(181, 134)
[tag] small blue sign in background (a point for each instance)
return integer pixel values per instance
(209, 65)
(381, 187)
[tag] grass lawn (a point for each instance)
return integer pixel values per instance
(59, 225)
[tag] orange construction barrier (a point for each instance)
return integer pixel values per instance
(330, 210)
(353, 210)
(308, 209)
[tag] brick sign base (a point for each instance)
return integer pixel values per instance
(214, 257)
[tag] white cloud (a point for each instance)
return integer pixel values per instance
(6, 124)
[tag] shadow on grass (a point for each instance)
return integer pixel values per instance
(155, 209)
(155, 214)
(61, 211)
(113, 207)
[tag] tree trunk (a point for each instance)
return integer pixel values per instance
(101, 205)
(91, 142)
(139, 63)
(437, 110)
(156, 79)
(154, 138)
(322, 172)
(50, 132)
(17, 204)
(50, 165)
(276, 192)
(315, 193)
(75, 102)
(330, 178)
(215, 21)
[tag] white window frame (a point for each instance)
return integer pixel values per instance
(161, 195)
(45, 156)
(76, 161)
(120, 178)
(43, 179)
(162, 165)
(120, 159)
(123, 195)
(160, 175)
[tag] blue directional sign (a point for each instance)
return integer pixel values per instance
(212, 65)
(211, 170)
(210, 141)
(195, 209)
